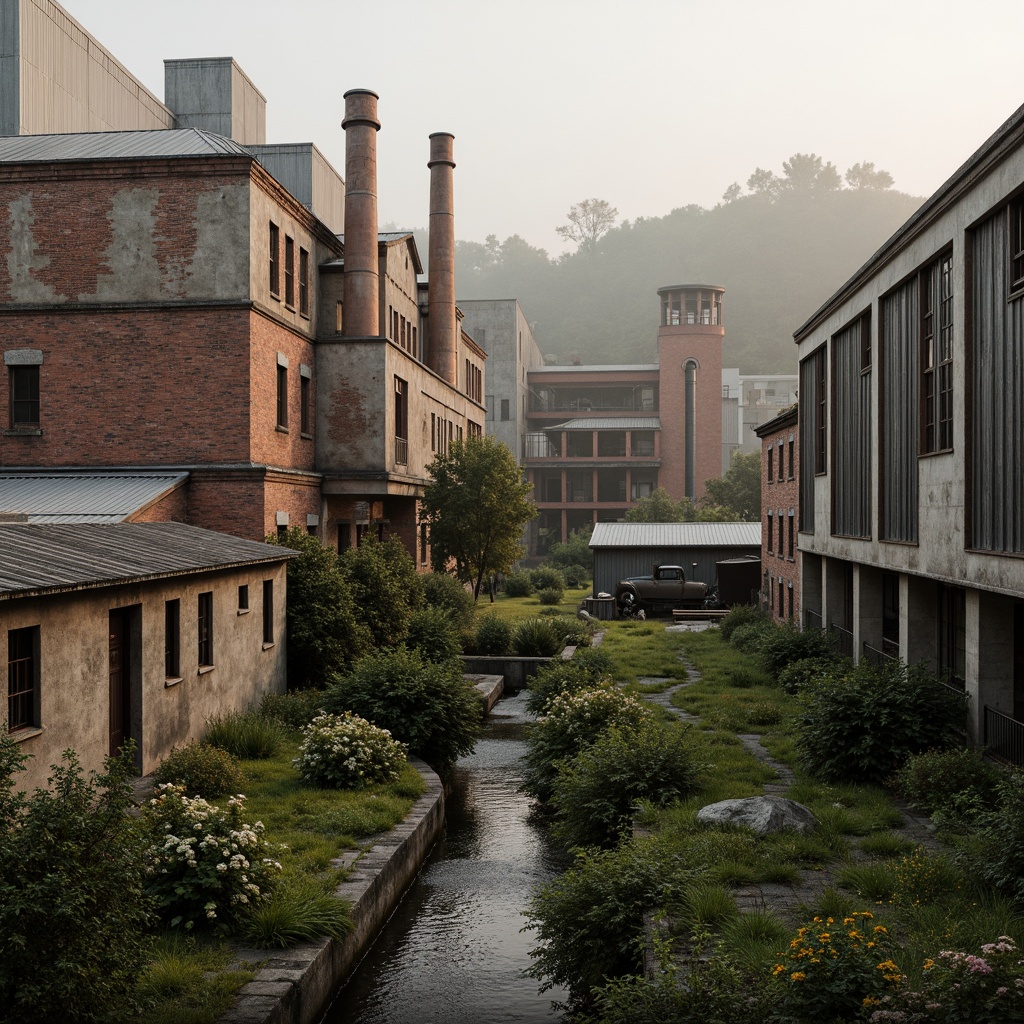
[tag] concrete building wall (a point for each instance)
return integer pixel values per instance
(306, 174)
(54, 77)
(74, 664)
(216, 95)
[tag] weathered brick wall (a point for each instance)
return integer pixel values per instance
(779, 497)
(172, 507)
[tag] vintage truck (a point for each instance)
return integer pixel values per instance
(665, 589)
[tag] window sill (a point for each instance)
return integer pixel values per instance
(938, 451)
(305, 436)
(203, 669)
(267, 646)
(23, 432)
(244, 611)
(172, 681)
(305, 316)
(276, 296)
(25, 733)
(290, 306)
(282, 430)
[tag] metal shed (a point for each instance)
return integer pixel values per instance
(630, 549)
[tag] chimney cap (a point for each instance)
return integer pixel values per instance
(353, 92)
(361, 109)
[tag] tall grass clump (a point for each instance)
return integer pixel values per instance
(538, 638)
(248, 735)
(741, 615)
(495, 637)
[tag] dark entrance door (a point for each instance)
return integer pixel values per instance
(1018, 661)
(120, 678)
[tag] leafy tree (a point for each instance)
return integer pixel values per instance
(732, 193)
(660, 507)
(384, 586)
(764, 183)
(477, 505)
(588, 221)
(865, 176)
(73, 915)
(324, 635)
(806, 172)
(575, 553)
(738, 493)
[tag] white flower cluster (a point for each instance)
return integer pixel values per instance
(347, 751)
(581, 710)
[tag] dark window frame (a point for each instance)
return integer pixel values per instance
(204, 632)
(820, 358)
(24, 388)
(172, 639)
(305, 410)
(275, 260)
(282, 397)
(289, 271)
(935, 313)
(243, 597)
(303, 282)
(268, 613)
(1015, 211)
(23, 678)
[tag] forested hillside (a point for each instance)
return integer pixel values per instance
(779, 252)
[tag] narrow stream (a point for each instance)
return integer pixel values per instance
(453, 952)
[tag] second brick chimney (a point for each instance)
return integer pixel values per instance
(442, 353)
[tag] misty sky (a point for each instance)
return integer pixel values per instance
(650, 104)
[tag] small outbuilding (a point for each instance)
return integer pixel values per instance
(631, 549)
(133, 631)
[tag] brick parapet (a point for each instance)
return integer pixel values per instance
(780, 509)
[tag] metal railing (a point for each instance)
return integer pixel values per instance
(877, 657)
(812, 619)
(1003, 737)
(844, 639)
(401, 451)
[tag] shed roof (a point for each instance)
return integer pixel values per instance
(157, 142)
(609, 423)
(598, 368)
(676, 535)
(83, 497)
(47, 558)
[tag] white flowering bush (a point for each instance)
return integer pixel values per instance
(573, 721)
(206, 865)
(346, 751)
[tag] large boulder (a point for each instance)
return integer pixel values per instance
(763, 814)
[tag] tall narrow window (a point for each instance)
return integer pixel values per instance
(305, 422)
(770, 548)
(282, 396)
(268, 611)
(821, 421)
(24, 396)
(891, 614)
(243, 597)
(401, 422)
(1017, 246)
(791, 520)
(289, 271)
(935, 298)
(205, 629)
(22, 678)
(792, 466)
(504, 408)
(275, 260)
(172, 639)
(771, 463)
(303, 282)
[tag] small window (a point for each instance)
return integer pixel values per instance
(338, 317)
(275, 260)
(305, 422)
(770, 547)
(24, 396)
(771, 463)
(303, 282)
(792, 461)
(792, 547)
(268, 611)
(172, 639)
(205, 630)
(505, 409)
(243, 597)
(22, 678)
(282, 397)
(289, 271)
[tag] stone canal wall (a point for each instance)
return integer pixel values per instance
(295, 986)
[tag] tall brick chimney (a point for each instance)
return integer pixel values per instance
(361, 313)
(442, 355)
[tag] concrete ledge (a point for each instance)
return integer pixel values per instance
(296, 985)
(490, 689)
(515, 671)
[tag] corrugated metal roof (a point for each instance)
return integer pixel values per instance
(82, 497)
(609, 423)
(42, 558)
(163, 142)
(599, 368)
(683, 535)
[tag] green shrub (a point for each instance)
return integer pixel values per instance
(495, 636)
(294, 709)
(859, 726)
(784, 644)
(931, 780)
(743, 678)
(998, 856)
(747, 636)
(596, 793)
(73, 918)
(428, 707)
(545, 577)
(806, 671)
(299, 910)
(385, 588)
(589, 920)
(741, 615)
(445, 592)
(207, 866)
(573, 559)
(560, 676)
(576, 576)
(572, 722)
(347, 752)
(201, 769)
(537, 638)
(435, 634)
(518, 584)
(549, 596)
(246, 734)
(324, 635)
(595, 660)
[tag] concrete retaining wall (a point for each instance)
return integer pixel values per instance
(295, 986)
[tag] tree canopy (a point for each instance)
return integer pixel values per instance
(476, 505)
(589, 220)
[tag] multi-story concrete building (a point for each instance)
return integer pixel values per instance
(601, 438)
(177, 297)
(780, 556)
(911, 510)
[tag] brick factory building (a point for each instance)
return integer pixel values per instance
(179, 297)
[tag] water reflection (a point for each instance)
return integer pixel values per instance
(453, 952)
